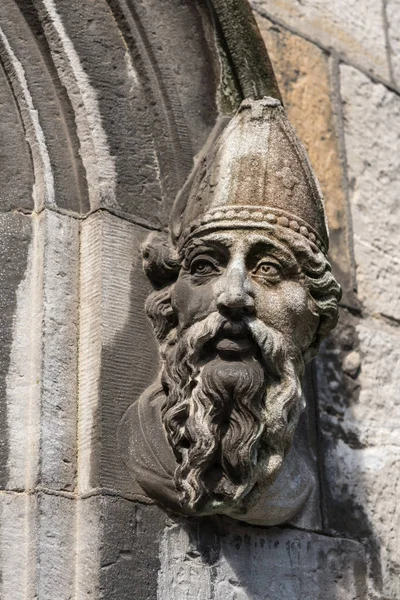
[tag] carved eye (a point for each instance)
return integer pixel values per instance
(203, 267)
(268, 271)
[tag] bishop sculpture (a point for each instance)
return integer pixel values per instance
(243, 295)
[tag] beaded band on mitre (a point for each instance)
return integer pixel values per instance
(257, 217)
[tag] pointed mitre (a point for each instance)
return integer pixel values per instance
(255, 174)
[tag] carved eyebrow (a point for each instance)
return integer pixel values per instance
(271, 246)
(198, 246)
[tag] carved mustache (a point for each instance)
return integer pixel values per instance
(272, 347)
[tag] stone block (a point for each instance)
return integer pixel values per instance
(119, 355)
(37, 536)
(354, 30)
(303, 73)
(362, 489)
(117, 548)
(88, 548)
(379, 381)
(130, 560)
(372, 135)
(19, 350)
(41, 379)
(55, 546)
(219, 559)
(356, 403)
(59, 385)
(17, 546)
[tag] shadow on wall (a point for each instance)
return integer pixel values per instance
(130, 358)
(130, 531)
(343, 458)
(216, 558)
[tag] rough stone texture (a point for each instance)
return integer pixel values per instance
(17, 547)
(110, 117)
(23, 358)
(362, 452)
(15, 237)
(362, 466)
(379, 381)
(130, 560)
(36, 557)
(117, 548)
(364, 486)
(393, 19)
(39, 259)
(88, 547)
(303, 73)
(138, 120)
(372, 130)
(119, 357)
(353, 29)
(54, 546)
(41, 384)
(221, 560)
(16, 174)
(189, 86)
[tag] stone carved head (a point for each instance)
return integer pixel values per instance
(243, 295)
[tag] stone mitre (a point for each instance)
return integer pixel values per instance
(255, 175)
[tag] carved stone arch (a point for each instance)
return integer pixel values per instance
(65, 105)
(181, 94)
(44, 108)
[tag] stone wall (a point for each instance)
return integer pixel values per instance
(336, 66)
(102, 107)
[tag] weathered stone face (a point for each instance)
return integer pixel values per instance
(246, 296)
(243, 274)
(241, 301)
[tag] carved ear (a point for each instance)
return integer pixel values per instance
(161, 265)
(159, 310)
(160, 261)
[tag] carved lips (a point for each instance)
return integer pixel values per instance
(234, 338)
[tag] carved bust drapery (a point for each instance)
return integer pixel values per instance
(243, 295)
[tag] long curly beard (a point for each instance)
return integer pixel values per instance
(228, 419)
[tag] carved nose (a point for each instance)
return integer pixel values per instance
(235, 297)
